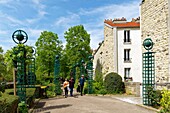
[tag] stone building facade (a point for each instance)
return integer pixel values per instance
(112, 54)
(155, 24)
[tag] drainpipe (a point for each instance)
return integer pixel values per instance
(115, 48)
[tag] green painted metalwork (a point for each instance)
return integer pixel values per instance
(148, 71)
(89, 68)
(31, 78)
(148, 44)
(20, 37)
(56, 75)
(21, 76)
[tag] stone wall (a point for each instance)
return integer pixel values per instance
(108, 50)
(103, 58)
(132, 88)
(154, 24)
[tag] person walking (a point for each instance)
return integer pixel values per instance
(66, 86)
(71, 85)
(81, 81)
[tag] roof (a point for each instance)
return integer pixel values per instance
(121, 23)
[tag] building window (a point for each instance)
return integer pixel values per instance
(127, 55)
(127, 74)
(127, 36)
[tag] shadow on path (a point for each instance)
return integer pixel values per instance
(51, 107)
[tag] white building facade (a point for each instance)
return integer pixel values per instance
(121, 50)
(129, 53)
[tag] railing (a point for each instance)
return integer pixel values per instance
(125, 41)
(127, 60)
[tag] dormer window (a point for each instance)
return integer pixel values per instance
(127, 36)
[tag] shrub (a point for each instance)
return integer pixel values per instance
(113, 83)
(22, 107)
(97, 86)
(155, 96)
(165, 101)
(102, 91)
(85, 88)
(30, 96)
(8, 103)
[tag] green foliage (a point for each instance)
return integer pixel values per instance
(165, 102)
(22, 107)
(155, 96)
(12, 55)
(8, 103)
(77, 47)
(3, 68)
(51, 90)
(2, 86)
(48, 46)
(102, 91)
(113, 83)
(85, 88)
(97, 86)
(98, 72)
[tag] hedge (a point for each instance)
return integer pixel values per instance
(9, 102)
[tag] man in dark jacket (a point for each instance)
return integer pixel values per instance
(81, 81)
(71, 85)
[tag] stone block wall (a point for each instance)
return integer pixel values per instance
(105, 53)
(132, 88)
(154, 24)
(108, 49)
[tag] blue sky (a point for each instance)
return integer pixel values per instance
(35, 16)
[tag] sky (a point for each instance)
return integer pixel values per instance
(36, 16)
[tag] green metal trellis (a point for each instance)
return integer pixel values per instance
(90, 74)
(56, 75)
(20, 76)
(31, 78)
(20, 37)
(148, 71)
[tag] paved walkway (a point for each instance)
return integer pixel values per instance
(129, 99)
(91, 104)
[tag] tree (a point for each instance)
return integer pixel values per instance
(48, 46)
(77, 46)
(2, 64)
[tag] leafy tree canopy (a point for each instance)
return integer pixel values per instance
(78, 45)
(48, 46)
(2, 65)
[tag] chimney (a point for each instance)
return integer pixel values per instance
(120, 20)
(108, 20)
(136, 19)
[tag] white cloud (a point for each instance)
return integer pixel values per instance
(5, 1)
(66, 22)
(2, 32)
(127, 10)
(96, 28)
(40, 7)
(96, 36)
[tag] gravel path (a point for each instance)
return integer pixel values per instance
(87, 104)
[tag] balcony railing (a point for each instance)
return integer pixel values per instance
(128, 79)
(125, 41)
(127, 60)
